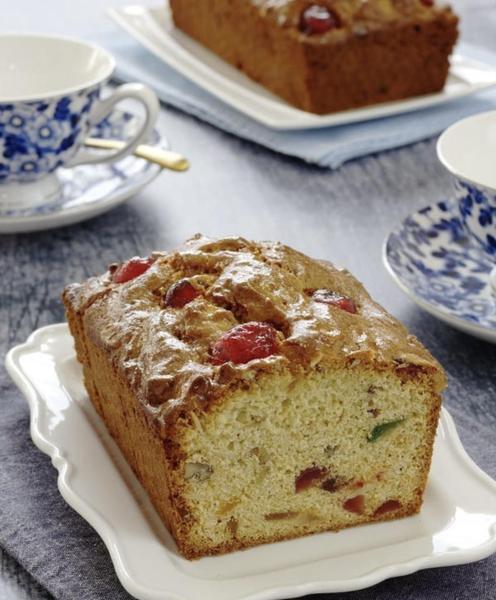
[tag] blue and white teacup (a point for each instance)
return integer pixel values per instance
(468, 150)
(477, 205)
(50, 98)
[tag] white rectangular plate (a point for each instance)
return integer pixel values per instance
(154, 29)
(457, 523)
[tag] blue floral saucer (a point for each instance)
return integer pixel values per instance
(89, 190)
(443, 270)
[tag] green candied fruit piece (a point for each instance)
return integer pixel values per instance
(380, 430)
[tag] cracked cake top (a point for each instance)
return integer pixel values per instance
(182, 325)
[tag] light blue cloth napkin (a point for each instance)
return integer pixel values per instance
(326, 147)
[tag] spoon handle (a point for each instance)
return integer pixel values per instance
(164, 158)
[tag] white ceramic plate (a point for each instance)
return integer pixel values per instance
(457, 523)
(153, 28)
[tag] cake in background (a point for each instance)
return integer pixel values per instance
(259, 395)
(329, 55)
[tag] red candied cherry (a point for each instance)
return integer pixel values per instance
(245, 342)
(386, 507)
(318, 19)
(355, 505)
(309, 477)
(180, 293)
(132, 268)
(428, 3)
(342, 302)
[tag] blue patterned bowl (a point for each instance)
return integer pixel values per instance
(49, 101)
(468, 150)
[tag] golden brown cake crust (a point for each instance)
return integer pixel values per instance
(164, 353)
(381, 50)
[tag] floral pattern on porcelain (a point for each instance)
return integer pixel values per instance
(477, 207)
(434, 258)
(37, 137)
(87, 185)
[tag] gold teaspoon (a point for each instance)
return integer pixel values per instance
(164, 158)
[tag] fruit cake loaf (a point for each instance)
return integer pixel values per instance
(259, 395)
(328, 55)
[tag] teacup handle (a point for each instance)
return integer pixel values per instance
(103, 108)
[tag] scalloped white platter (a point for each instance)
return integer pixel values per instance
(457, 523)
(154, 29)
